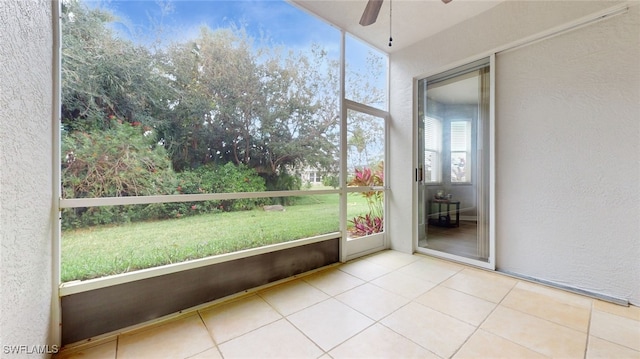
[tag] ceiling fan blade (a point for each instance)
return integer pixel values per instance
(370, 13)
(446, 1)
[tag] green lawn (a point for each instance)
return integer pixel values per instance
(105, 250)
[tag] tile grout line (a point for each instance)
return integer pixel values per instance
(410, 301)
(608, 340)
(413, 300)
(210, 334)
(379, 321)
(375, 321)
(485, 319)
(402, 335)
(529, 314)
(552, 322)
(586, 346)
(285, 317)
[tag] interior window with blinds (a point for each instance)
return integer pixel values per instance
(460, 151)
(432, 150)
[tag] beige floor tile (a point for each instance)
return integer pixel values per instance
(483, 344)
(603, 349)
(179, 338)
(631, 312)
(616, 329)
(379, 341)
(437, 332)
(549, 308)
(392, 259)
(329, 323)
(558, 295)
(212, 353)
(433, 270)
(536, 334)
(238, 317)
(372, 301)
(465, 307)
(102, 351)
(293, 296)
(276, 340)
(333, 281)
(404, 285)
(490, 286)
(365, 270)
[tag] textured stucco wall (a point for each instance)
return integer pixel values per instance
(566, 106)
(580, 165)
(26, 174)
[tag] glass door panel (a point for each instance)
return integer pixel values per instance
(365, 179)
(453, 164)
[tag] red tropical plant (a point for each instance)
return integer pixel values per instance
(373, 221)
(366, 225)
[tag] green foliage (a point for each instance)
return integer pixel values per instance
(239, 102)
(118, 161)
(94, 168)
(373, 221)
(331, 181)
(115, 162)
(217, 113)
(284, 182)
(103, 75)
(221, 179)
(220, 97)
(141, 245)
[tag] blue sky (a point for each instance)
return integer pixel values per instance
(281, 22)
(182, 19)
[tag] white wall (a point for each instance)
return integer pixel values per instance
(565, 107)
(26, 186)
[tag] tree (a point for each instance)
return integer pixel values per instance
(219, 98)
(262, 108)
(294, 128)
(116, 162)
(103, 75)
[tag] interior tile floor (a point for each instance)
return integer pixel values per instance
(461, 240)
(389, 305)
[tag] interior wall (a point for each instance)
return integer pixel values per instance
(566, 107)
(580, 163)
(26, 190)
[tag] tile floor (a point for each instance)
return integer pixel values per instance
(391, 305)
(461, 240)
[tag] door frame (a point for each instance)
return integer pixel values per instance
(490, 146)
(358, 247)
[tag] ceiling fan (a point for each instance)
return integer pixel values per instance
(370, 13)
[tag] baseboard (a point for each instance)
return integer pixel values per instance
(600, 296)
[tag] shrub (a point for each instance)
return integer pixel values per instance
(121, 161)
(228, 178)
(331, 181)
(115, 162)
(284, 181)
(366, 225)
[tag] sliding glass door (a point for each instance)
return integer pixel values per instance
(454, 164)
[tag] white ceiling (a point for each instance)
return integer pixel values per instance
(412, 21)
(463, 90)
